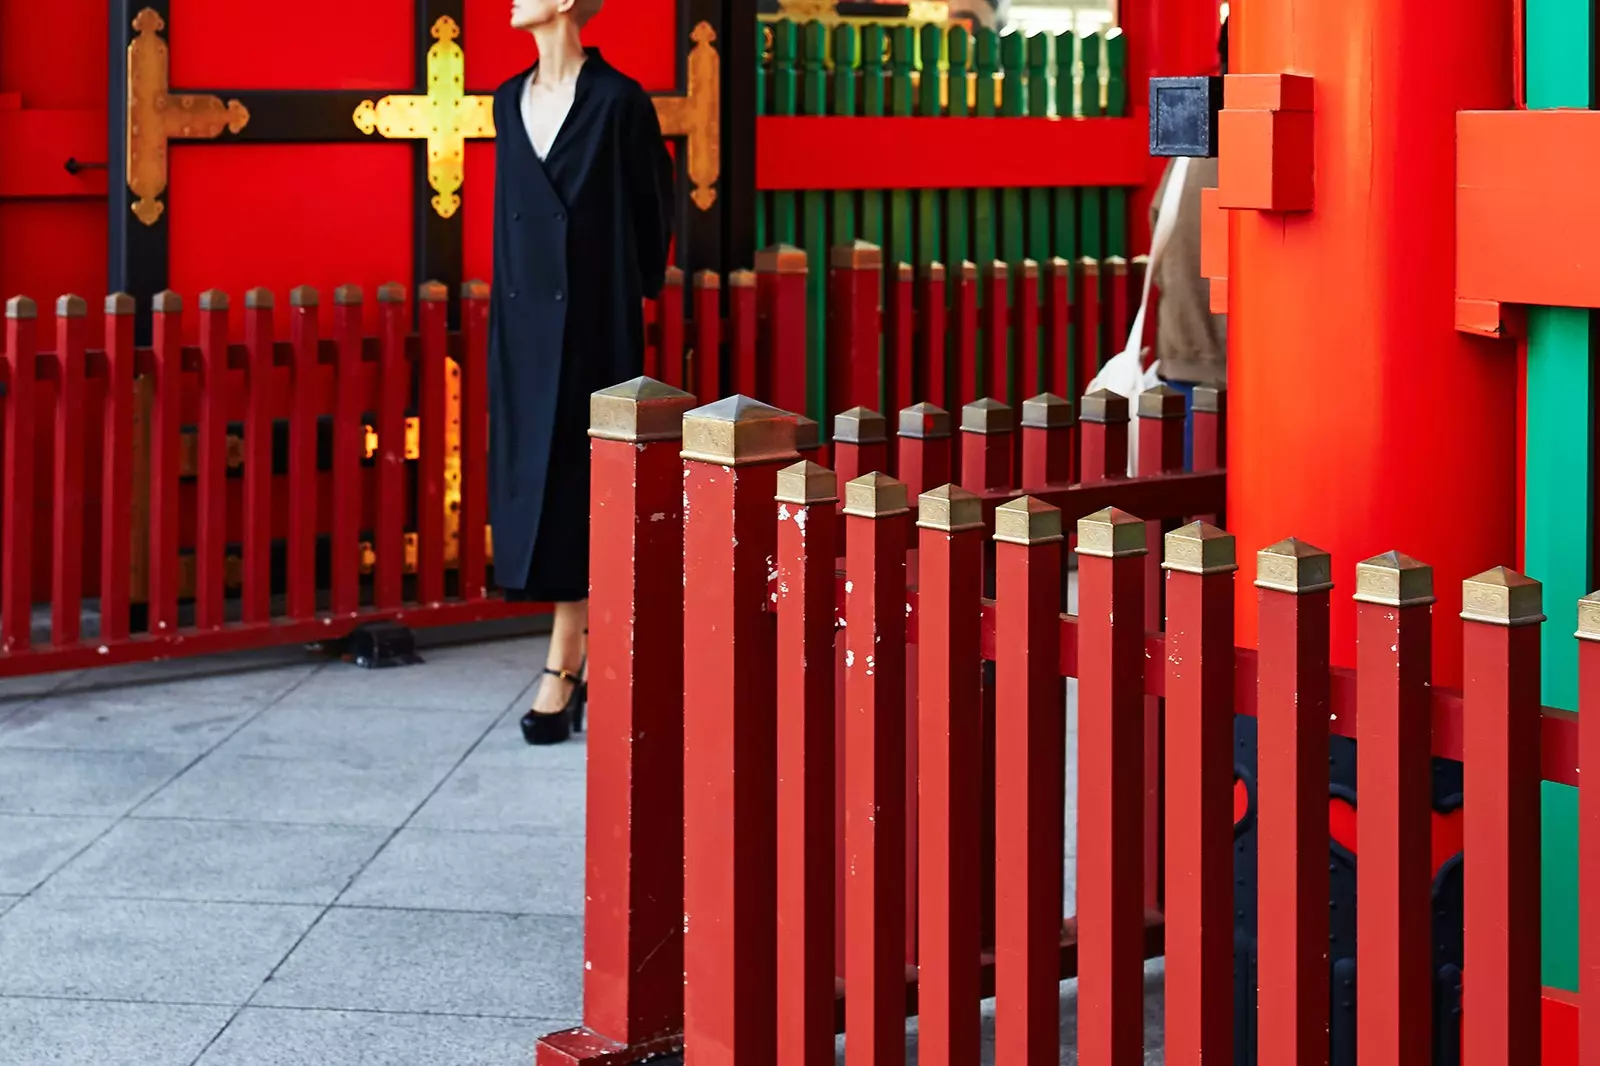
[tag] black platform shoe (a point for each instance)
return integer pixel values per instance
(557, 726)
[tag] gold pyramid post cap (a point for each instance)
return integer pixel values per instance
(120, 303)
(949, 509)
(742, 279)
(875, 495)
(924, 421)
(1142, 259)
(213, 300)
(1089, 265)
(260, 299)
(304, 296)
(998, 270)
(674, 276)
(805, 483)
(905, 271)
(987, 416)
(347, 295)
(1294, 566)
(21, 307)
(738, 431)
(166, 302)
(1211, 399)
(433, 292)
(857, 255)
(781, 259)
(1046, 411)
(860, 425)
(1117, 264)
(1589, 617)
(1162, 402)
(1111, 534)
(1030, 268)
(1059, 266)
(1026, 520)
(1104, 406)
(391, 292)
(934, 271)
(707, 279)
(638, 410)
(1199, 548)
(807, 434)
(71, 306)
(1394, 580)
(475, 290)
(969, 270)
(1502, 597)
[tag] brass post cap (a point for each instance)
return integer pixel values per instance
(1589, 617)
(934, 271)
(1089, 265)
(1059, 266)
(781, 259)
(432, 292)
(475, 290)
(949, 509)
(71, 306)
(875, 495)
(738, 431)
(638, 410)
(166, 302)
(1294, 566)
(260, 299)
(1026, 520)
(391, 292)
(120, 303)
(347, 295)
(905, 271)
(742, 279)
(860, 425)
(213, 300)
(673, 276)
(805, 483)
(1200, 548)
(857, 255)
(1103, 406)
(1046, 411)
(1030, 268)
(1211, 399)
(807, 434)
(1162, 402)
(969, 270)
(707, 279)
(1142, 259)
(1116, 264)
(1111, 534)
(21, 307)
(987, 416)
(1502, 597)
(1394, 580)
(999, 270)
(302, 296)
(924, 421)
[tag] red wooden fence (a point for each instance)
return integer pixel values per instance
(766, 709)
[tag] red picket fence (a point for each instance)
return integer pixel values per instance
(757, 630)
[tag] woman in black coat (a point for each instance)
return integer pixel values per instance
(582, 227)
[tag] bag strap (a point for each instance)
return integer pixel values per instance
(1166, 222)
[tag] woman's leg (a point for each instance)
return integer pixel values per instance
(567, 649)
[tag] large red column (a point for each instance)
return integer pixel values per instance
(1360, 417)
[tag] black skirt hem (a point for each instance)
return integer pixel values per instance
(544, 595)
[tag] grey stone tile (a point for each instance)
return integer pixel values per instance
(143, 949)
(56, 1032)
(32, 848)
(509, 872)
(359, 735)
(82, 782)
(15, 691)
(435, 962)
(522, 653)
(449, 686)
(106, 721)
(503, 746)
(7, 902)
(197, 680)
(506, 799)
(242, 862)
(250, 789)
(262, 1035)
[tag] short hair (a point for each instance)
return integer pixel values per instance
(584, 10)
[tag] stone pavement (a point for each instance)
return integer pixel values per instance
(271, 861)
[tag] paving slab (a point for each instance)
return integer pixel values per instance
(260, 1036)
(88, 783)
(321, 792)
(461, 685)
(152, 951)
(360, 735)
(184, 723)
(512, 873)
(56, 1032)
(435, 962)
(506, 799)
(233, 862)
(32, 847)
(190, 680)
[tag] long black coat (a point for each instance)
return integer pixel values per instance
(580, 240)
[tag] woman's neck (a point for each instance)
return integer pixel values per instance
(560, 50)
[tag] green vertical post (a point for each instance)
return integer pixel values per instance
(814, 101)
(985, 221)
(902, 59)
(1116, 105)
(957, 202)
(1559, 531)
(785, 96)
(929, 208)
(1013, 104)
(846, 56)
(1064, 239)
(1091, 234)
(874, 43)
(763, 96)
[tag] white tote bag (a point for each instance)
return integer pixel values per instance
(1124, 373)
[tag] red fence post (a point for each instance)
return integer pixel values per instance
(633, 910)
(875, 792)
(1394, 931)
(349, 444)
(924, 448)
(997, 332)
(1046, 441)
(1111, 572)
(394, 390)
(860, 443)
(256, 595)
(1103, 436)
(1589, 831)
(931, 339)
(987, 429)
(1058, 362)
(1030, 734)
(781, 298)
(854, 325)
(964, 333)
(1500, 750)
(165, 418)
(733, 450)
(1119, 316)
(433, 300)
(1210, 415)
(472, 582)
(1200, 565)
(669, 328)
(66, 570)
(900, 329)
(1089, 323)
(807, 606)
(301, 551)
(1029, 377)
(707, 361)
(743, 324)
(211, 458)
(949, 757)
(16, 519)
(1294, 580)
(116, 486)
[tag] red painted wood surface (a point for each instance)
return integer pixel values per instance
(1091, 324)
(932, 353)
(1030, 730)
(344, 545)
(300, 573)
(1046, 453)
(923, 443)
(997, 333)
(964, 334)
(743, 331)
(66, 586)
(433, 319)
(669, 330)
(166, 333)
(211, 457)
(900, 337)
(116, 489)
(1588, 851)
(474, 364)
(854, 327)
(781, 295)
(1029, 379)
(986, 464)
(394, 394)
(1103, 446)
(1057, 329)
(301, 550)
(16, 521)
(707, 359)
